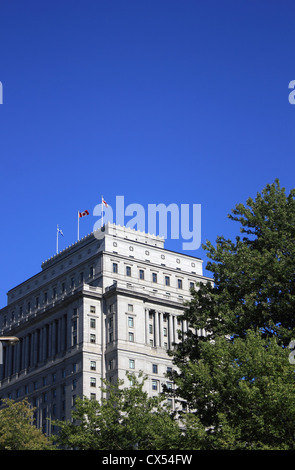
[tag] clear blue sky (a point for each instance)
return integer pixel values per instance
(162, 101)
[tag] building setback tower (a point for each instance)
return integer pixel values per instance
(110, 303)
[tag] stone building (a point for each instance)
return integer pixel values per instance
(110, 303)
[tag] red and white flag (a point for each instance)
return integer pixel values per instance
(104, 202)
(82, 214)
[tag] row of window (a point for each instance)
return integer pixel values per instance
(154, 277)
(45, 381)
(47, 296)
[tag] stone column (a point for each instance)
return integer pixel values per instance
(146, 325)
(160, 329)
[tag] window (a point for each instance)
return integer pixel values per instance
(74, 332)
(92, 323)
(141, 274)
(37, 302)
(155, 368)
(130, 322)
(91, 271)
(191, 285)
(165, 331)
(151, 329)
(54, 293)
(179, 283)
(92, 365)
(82, 277)
(92, 309)
(92, 382)
(167, 281)
(72, 282)
(130, 308)
(131, 364)
(154, 385)
(128, 270)
(45, 297)
(131, 337)
(115, 267)
(154, 276)
(92, 338)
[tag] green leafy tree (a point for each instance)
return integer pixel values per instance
(126, 418)
(236, 380)
(254, 276)
(244, 395)
(16, 429)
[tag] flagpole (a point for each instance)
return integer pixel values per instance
(57, 239)
(78, 225)
(101, 211)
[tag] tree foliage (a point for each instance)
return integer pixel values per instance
(254, 276)
(237, 381)
(16, 429)
(126, 418)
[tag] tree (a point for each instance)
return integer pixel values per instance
(16, 429)
(236, 380)
(240, 394)
(125, 419)
(254, 276)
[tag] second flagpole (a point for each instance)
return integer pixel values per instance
(78, 226)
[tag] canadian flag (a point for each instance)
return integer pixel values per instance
(82, 214)
(104, 202)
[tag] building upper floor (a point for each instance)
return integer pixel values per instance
(112, 256)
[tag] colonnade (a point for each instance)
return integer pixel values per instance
(36, 347)
(162, 328)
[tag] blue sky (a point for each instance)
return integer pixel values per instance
(162, 101)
